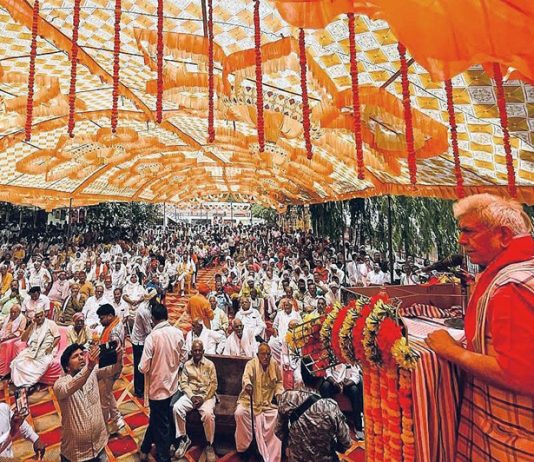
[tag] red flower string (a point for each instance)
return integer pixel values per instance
(31, 76)
(211, 108)
(501, 103)
(116, 66)
(454, 140)
(304, 89)
(74, 64)
(388, 333)
(357, 118)
(159, 51)
(259, 76)
(412, 166)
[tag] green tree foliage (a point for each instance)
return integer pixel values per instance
(268, 214)
(420, 225)
(119, 214)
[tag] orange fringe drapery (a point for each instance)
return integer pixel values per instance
(304, 90)
(116, 66)
(259, 76)
(211, 110)
(159, 96)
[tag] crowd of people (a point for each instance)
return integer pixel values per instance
(102, 294)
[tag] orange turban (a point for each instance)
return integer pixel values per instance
(203, 288)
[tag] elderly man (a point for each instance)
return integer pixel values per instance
(59, 291)
(39, 276)
(91, 307)
(31, 363)
(10, 298)
(34, 302)
(198, 381)
(212, 341)
(73, 304)
(280, 327)
(86, 287)
(113, 332)
(78, 332)
(12, 328)
(250, 318)
(262, 381)
(497, 413)
(241, 341)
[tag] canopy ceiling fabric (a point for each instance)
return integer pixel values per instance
(174, 162)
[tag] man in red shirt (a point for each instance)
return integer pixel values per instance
(497, 417)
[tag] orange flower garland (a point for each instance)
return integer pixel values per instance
(501, 103)
(454, 140)
(388, 333)
(357, 118)
(406, 404)
(159, 52)
(74, 64)
(304, 89)
(335, 335)
(211, 107)
(31, 76)
(412, 165)
(116, 66)
(259, 76)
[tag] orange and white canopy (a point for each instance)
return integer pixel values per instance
(174, 160)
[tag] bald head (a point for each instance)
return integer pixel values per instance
(197, 350)
(237, 326)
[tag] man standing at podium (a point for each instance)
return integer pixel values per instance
(497, 416)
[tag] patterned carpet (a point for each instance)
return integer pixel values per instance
(45, 417)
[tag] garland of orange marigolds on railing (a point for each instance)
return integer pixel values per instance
(116, 66)
(367, 332)
(357, 117)
(454, 140)
(211, 108)
(259, 76)
(501, 103)
(304, 89)
(159, 52)
(31, 76)
(412, 165)
(73, 68)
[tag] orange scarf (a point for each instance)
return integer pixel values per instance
(107, 331)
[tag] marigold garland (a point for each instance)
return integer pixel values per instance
(412, 165)
(357, 335)
(357, 118)
(326, 329)
(211, 107)
(159, 52)
(116, 66)
(335, 335)
(304, 89)
(503, 115)
(454, 140)
(259, 76)
(388, 333)
(31, 76)
(73, 68)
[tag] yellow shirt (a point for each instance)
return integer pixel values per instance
(266, 384)
(6, 283)
(199, 380)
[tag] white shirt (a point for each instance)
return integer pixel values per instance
(89, 309)
(377, 279)
(29, 306)
(212, 341)
(251, 319)
(282, 320)
(122, 309)
(25, 430)
(344, 373)
(162, 357)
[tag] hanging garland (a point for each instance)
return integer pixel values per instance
(31, 76)
(501, 103)
(116, 66)
(454, 140)
(412, 166)
(357, 118)
(74, 64)
(211, 109)
(259, 76)
(304, 89)
(159, 51)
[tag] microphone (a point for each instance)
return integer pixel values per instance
(445, 263)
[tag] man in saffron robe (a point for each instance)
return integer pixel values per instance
(262, 381)
(497, 416)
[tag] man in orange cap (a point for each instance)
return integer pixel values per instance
(199, 306)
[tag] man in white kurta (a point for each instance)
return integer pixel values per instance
(262, 381)
(212, 341)
(241, 341)
(280, 326)
(91, 306)
(32, 362)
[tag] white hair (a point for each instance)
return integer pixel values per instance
(494, 211)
